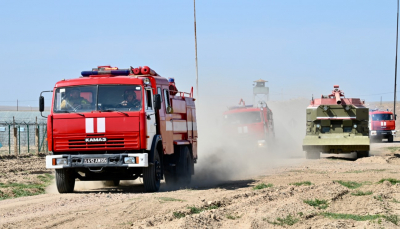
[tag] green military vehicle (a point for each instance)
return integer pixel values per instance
(336, 125)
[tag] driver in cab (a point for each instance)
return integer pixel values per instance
(130, 101)
(74, 100)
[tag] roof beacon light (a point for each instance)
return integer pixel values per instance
(106, 71)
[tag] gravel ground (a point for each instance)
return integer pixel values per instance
(223, 204)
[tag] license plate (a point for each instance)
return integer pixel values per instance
(95, 161)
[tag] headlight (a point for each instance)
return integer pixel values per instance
(355, 126)
(131, 160)
(146, 81)
(61, 161)
(325, 108)
(261, 142)
(318, 126)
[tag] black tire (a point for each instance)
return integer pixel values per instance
(152, 174)
(184, 169)
(171, 179)
(362, 154)
(313, 155)
(182, 176)
(390, 138)
(111, 182)
(65, 180)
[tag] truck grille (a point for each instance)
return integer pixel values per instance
(114, 142)
(110, 143)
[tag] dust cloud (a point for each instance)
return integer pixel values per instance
(222, 157)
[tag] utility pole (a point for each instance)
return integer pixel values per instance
(17, 104)
(195, 47)
(395, 71)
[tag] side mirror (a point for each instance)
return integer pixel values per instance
(41, 103)
(157, 102)
(395, 117)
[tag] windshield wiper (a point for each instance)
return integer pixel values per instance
(73, 112)
(109, 110)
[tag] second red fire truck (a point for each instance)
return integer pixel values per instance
(382, 125)
(115, 124)
(251, 124)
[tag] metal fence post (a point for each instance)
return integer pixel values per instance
(15, 138)
(27, 133)
(19, 139)
(9, 139)
(45, 137)
(38, 136)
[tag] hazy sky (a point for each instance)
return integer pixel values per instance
(300, 47)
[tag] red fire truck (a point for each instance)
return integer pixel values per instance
(250, 123)
(382, 125)
(115, 124)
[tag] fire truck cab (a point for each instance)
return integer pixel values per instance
(382, 125)
(115, 124)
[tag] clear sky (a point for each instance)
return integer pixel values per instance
(300, 47)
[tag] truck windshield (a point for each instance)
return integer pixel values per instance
(98, 97)
(381, 117)
(243, 118)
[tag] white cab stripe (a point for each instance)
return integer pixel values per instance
(189, 125)
(89, 125)
(101, 125)
(168, 125)
(179, 126)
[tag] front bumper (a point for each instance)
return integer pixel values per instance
(383, 132)
(111, 160)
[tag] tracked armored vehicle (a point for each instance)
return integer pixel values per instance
(336, 125)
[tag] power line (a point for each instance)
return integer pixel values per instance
(195, 45)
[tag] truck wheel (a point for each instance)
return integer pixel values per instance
(390, 138)
(65, 180)
(152, 174)
(184, 170)
(313, 155)
(170, 178)
(183, 174)
(362, 154)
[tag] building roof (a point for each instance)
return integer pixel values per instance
(260, 81)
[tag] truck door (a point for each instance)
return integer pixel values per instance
(165, 120)
(151, 119)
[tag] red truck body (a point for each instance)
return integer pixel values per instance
(382, 125)
(107, 137)
(249, 123)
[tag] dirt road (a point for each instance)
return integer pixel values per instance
(269, 200)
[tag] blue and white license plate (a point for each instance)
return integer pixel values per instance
(95, 161)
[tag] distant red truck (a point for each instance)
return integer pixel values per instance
(252, 124)
(382, 125)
